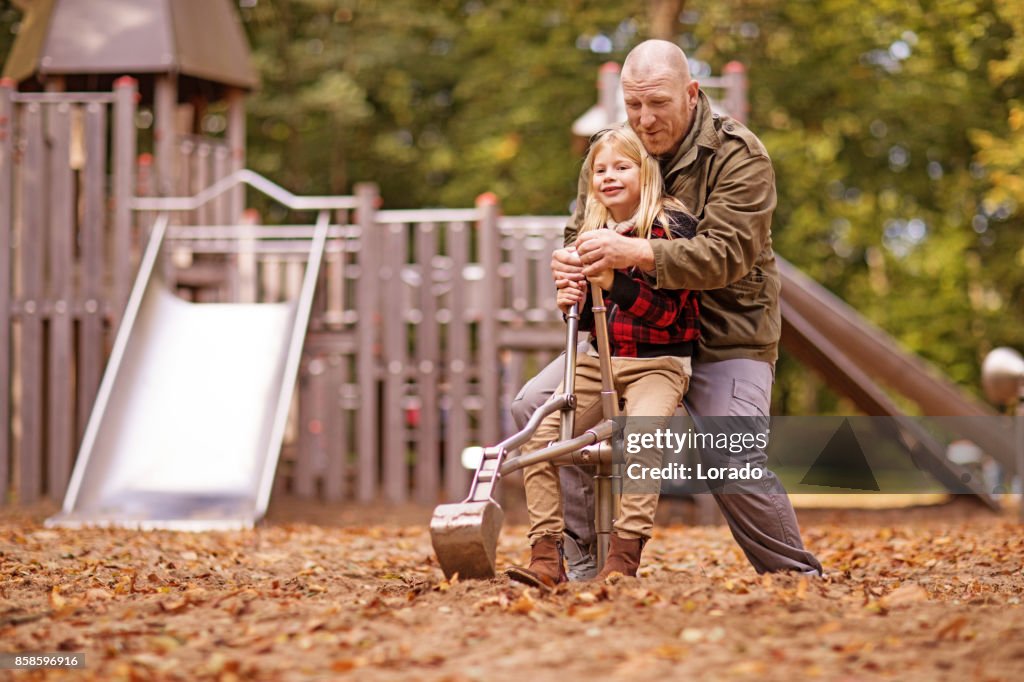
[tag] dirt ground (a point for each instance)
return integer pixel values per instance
(930, 593)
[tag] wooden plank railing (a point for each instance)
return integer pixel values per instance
(426, 322)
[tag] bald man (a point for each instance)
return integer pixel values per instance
(722, 172)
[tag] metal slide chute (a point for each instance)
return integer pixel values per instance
(824, 333)
(187, 425)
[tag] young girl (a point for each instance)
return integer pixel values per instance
(653, 333)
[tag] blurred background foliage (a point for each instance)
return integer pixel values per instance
(896, 128)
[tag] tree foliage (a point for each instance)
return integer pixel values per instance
(896, 128)
(435, 101)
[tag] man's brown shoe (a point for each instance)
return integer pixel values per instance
(546, 566)
(623, 557)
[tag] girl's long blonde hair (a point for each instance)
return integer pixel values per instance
(653, 200)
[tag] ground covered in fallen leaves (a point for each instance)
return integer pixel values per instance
(925, 594)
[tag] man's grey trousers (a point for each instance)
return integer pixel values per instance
(761, 518)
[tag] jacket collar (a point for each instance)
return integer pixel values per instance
(703, 133)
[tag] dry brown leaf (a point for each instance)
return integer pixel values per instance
(671, 652)
(523, 605)
(343, 665)
(828, 628)
(499, 600)
(98, 594)
(586, 614)
(952, 629)
(174, 605)
(904, 595)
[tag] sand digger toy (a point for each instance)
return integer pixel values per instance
(465, 534)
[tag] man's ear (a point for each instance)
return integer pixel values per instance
(692, 88)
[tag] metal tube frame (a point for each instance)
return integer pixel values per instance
(592, 447)
(604, 492)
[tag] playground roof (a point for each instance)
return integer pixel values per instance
(199, 38)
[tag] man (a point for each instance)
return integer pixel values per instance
(722, 172)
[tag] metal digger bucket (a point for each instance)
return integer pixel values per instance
(465, 538)
(465, 534)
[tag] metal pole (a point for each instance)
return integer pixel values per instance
(568, 422)
(604, 502)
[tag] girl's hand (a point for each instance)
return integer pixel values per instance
(571, 293)
(604, 279)
(566, 267)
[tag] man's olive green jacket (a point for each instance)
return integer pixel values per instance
(723, 175)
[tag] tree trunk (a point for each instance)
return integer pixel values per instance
(663, 18)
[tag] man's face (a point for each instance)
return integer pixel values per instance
(660, 110)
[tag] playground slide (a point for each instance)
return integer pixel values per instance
(853, 356)
(186, 429)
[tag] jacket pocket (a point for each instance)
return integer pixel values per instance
(751, 283)
(752, 400)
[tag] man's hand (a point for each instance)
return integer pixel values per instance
(566, 267)
(602, 250)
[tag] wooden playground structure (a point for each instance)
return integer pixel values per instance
(424, 323)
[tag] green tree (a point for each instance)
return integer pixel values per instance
(890, 125)
(434, 101)
(896, 129)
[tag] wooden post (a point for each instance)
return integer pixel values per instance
(246, 271)
(61, 228)
(608, 91)
(222, 213)
(393, 344)
(735, 76)
(487, 359)
(366, 428)
(91, 342)
(222, 216)
(518, 285)
(332, 294)
(165, 104)
(456, 355)
(186, 178)
(235, 134)
(200, 181)
(125, 92)
(309, 440)
(6, 224)
(335, 426)
(428, 353)
(32, 269)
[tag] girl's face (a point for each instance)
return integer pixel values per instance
(616, 182)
